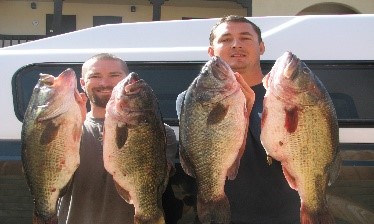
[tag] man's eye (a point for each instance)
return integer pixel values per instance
(247, 38)
(93, 77)
(225, 40)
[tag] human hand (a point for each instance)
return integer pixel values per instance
(81, 99)
(248, 92)
(250, 99)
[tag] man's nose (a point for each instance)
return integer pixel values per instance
(105, 81)
(236, 43)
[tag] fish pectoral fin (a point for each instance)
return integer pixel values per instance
(269, 160)
(233, 170)
(217, 114)
(292, 119)
(66, 188)
(121, 135)
(123, 193)
(49, 133)
(335, 169)
(290, 179)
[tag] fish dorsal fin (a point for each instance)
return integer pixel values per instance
(335, 168)
(179, 103)
(123, 193)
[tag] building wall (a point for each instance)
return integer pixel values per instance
(17, 17)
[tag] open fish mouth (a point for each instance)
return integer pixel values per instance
(292, 63)
(132, 84)
(220, 70)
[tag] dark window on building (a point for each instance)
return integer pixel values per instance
(102, 20)
(68, 24)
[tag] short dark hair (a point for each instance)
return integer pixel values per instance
(107, 56)
(234, 19)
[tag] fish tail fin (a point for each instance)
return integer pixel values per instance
(38, 219)
(311, 217)
(158, 219)
(217, 211)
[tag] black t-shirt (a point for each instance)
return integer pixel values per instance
(260, 192)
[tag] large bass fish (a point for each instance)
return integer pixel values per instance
(212, 126)
(135, 148)
(51, 134)
(300, 129)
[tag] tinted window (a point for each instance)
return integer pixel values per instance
(350, 84)
(25, 79)
(166, 80)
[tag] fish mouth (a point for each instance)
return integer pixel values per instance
(288, 80)
(284, 67)
(220, 68)
(133, 84)
(47, 79)
(68, 76)
(291, 65)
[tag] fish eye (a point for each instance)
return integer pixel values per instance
(306, 70)
(48, 80)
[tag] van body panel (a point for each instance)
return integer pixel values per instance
(169, 54)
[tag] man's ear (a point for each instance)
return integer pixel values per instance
(83, 84)
(210, 51)
(262, 47)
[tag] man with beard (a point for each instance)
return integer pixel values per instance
(92, 196)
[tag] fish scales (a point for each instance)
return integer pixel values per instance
(212, 123)
(203, 139)
(134, 148)
(299, 129)
(50, 141)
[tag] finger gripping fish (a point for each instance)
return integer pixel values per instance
(300, 129)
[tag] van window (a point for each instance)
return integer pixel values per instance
(166, 79)
(25, 79)
(350, 84)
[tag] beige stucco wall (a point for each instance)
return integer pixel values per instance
(17, 17)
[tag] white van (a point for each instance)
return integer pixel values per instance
(169, 54)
